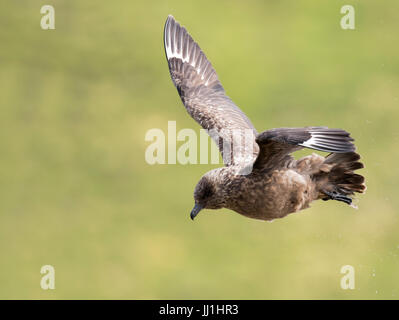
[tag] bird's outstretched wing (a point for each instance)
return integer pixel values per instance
(204, 97)
(277, 144)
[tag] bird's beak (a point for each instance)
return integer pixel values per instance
(197, 208)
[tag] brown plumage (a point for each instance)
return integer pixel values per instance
(261, 179)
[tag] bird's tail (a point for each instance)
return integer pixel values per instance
(340, 182)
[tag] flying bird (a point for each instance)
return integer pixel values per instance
(260, 179)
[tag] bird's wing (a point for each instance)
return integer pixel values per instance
(204, 97)
(276, 144)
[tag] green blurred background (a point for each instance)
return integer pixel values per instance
(76, 192)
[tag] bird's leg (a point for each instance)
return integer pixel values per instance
(334, 195)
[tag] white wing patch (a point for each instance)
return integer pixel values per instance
(321, 140)
(176, 50)
(316, 139)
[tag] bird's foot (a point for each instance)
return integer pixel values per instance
(337, 196)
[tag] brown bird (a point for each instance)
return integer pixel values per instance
(261, 179)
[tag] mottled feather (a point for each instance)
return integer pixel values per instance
(204, 97)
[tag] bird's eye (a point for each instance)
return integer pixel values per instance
(207, 192)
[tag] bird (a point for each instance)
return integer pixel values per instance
(260, 178)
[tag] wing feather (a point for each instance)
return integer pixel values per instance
(277, 144)
(205, 99)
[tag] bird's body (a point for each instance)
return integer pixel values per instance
(273, 195)
(261, 179)
(273, 192)
(265, 195)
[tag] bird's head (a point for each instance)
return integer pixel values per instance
(208, 194)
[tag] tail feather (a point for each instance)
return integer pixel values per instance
(341, 182)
